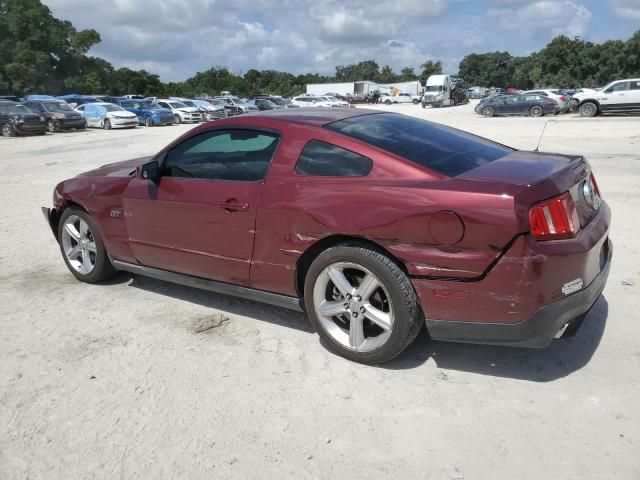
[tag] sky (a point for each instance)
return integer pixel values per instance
(177, 38)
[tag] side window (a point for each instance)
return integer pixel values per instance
(236, 155)
(326, 160)
(85, 108)
(635, 85)
(618, 87)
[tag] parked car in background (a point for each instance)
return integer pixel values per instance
(181, 112)
(228, 106)
(277, 100)
(620, 96)
(58, 114)
(312, 101)
(149, 113)
(265, 104)
(107, 116)
(520, 104)
(208, 111)
(239, 103)
(77, 100)
(135, 97)
(336, 102)
(557, 95)
(284, 103)
(11, 98)
(16, 119)
(345, 214)
(399, 98)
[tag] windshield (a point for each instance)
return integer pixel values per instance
(177, 104)
(278, 101)
(188, 103)
(20, 109)
(58, 107)
(434, 88)
(113, 108)
(150, 105)
(442, 149)
(238, 100)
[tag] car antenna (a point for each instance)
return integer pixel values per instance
(540, 140)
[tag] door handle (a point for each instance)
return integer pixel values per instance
(232, 205)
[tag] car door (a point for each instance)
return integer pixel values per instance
(616, 96)
(199, 217)
(510, 105)
(634, 95)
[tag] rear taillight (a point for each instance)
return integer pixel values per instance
(555, 218)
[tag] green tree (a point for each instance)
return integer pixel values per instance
(38, 52)
(430, 68)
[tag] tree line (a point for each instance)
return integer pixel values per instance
(42, 54)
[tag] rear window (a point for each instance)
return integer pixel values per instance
(445, 150)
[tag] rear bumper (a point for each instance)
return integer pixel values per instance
(534, 290)
(538, 330)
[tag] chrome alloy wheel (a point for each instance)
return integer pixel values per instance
(79, 245)
(353, 306)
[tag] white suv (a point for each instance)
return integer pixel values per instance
(312, 101)
(181, 112)
(616, 97)
(399, 98)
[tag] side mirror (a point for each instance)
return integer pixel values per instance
(149, 171)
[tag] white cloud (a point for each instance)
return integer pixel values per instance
(627, 9)
(545, 18)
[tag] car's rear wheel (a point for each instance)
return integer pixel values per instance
(387, 102)
(536, 111)
(148, 122)
(7, 130)
(107, 124)
(361, 303)
(82, 247)
(588, 109)
(488, 112)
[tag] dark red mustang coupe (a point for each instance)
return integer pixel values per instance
(372, 223)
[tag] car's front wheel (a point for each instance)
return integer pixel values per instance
(588, 109)
(7, 130)
(488, 112)
(107, 124)
(82, 247)
(52, 127)
(148, 122)
(361, 303)
(178, 119)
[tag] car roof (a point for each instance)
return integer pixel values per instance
(313, 116)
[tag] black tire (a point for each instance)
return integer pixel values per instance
(106, 124)
(415, 101)
(408, 318)
(488, 112)
(103, 270)
(7, 130)
(588, 109)
(536, 111)
(148, 122)
(424, 105)
(387, 102)
(177, 118)
(52, 127)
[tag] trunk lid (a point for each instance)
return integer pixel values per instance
(539, 176)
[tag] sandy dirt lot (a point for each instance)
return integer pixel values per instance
(144, 379)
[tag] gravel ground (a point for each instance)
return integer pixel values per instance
(144, 379)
